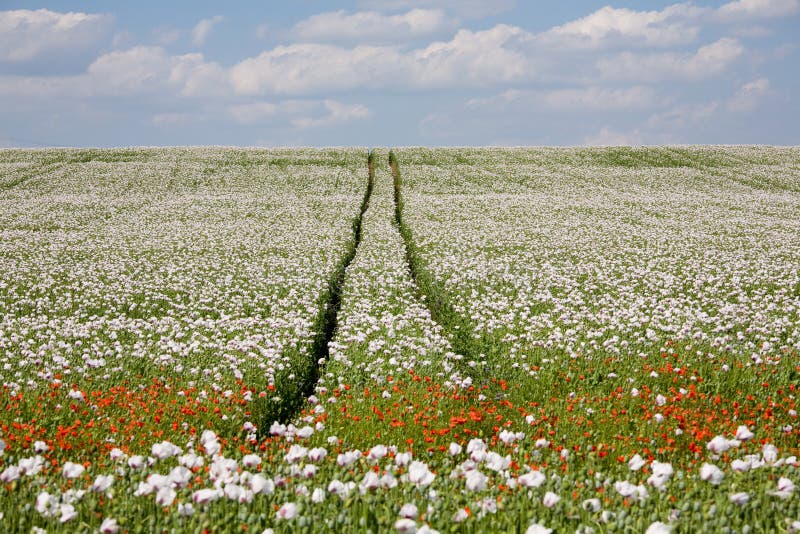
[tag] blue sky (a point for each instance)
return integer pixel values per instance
(399, 72)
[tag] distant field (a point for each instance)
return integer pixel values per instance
(452, 340)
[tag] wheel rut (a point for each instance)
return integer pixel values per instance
(458, 330)
(328, 321)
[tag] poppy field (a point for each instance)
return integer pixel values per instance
(417, 340)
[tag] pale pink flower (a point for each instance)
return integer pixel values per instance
(662, 472)
(720, 444)
(658, 528)
(550, 499)
(305, 432)
(72, 470)
(165, 496)
(497, 463)
(770, 453)
(102, 483)
(370, 481)
(460, 515)
(740, 498)
(109, 526)
(261, 485)
(318, 495)
(46, 504)
(785, 488)
(533, 479)
(10, 474)
(405, 525)
(205, 495)
(712, 474)
(591, 505)
(402, 458)
(636, 463)
(164, 450)
(287, 511)
(740, 466)
(377, 452)
(476, 481)
(68, 513)
(317, 454)
(536, 528)
(31, 466)
(419, 474)
(251, 460)
(743, 433)
(295, 454)
(409, 511)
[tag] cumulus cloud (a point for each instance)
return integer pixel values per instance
(683, 116)
(708, 60)
(372, 26)
(144, 69)
(166, 35)
(306, 68)
(749, 95)
(757, 9)
(465, 8)
(609, 137)
(482, 58)
(141, 70)
(253, 112)
(302, 114)
(202, 29)
(27, 35)
(689, 115)
(335, 112)
(573, 99)
(674, 25)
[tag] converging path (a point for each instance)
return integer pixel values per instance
(383, 326)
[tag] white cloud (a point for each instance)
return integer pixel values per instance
(203, 29)
(29, 35)
(709, 60)
(687, 116)
(253, 112)
(749, 96)
(484, 58)
(166, 35)
(683, 116)
(137, 69)
(372, 26)
(608, 137)
(306, 68)
(302, 114)
(671, 26)
(757, 9)
(573, 99)
(141, 70)
(335, 113)
(122, 39)
(466, 8)
(144, 69)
